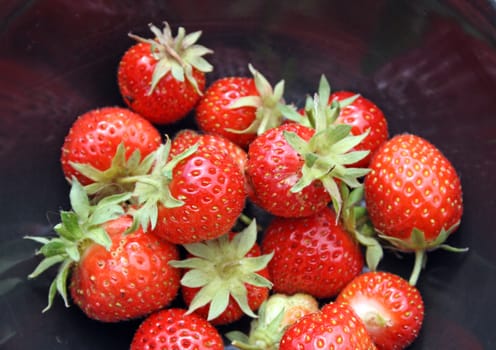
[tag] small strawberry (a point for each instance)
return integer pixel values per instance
(275, 315)
(193, 196)
(313, 255)
(294, 169)
(94, 138)
(114, 276)
(336, 326)
(175, 329)
(163, 78)
(226, 277)
(391, 309)
(362, 114)
(240, 108)
(413, 196)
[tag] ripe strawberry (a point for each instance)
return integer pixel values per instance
(336, 326)
(174, 329)
(163, 78)
(193, 196)
(115, 276)
(94, 138)
(362, 114)
(294, 169)
(313, 255)
(225, 277)
(391, 309)
(240, 108)
(413, 196)
(276, 314)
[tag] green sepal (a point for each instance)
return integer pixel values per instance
(221, 269)
(177, 55)
(77, 230)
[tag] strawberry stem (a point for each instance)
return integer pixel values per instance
(417, 267)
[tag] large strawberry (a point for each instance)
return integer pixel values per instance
(163, 78)
(94, 138)
(391, 309)
(294, 169)
(114, 276)
(336, 326)
(413, 196)
(175, 329)
(240, 108)
(225, 277)
(313, 255)
(195, 195)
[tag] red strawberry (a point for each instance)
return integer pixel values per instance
(226, 277)
(362, 114)
(312, 255)
(276, 314)
(174, 329)
(336, 326)
(115, 276)
(193, 196)
(391, 309)
(240, 108)
(94, 138)
(413, 196)
(163, 78)
(294, 169)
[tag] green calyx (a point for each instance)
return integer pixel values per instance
(356, 222)
(177, 55)
(78, 229)
(329, 153)
(115, 179)
(268, 104)
(221, 269)
(420, 246)
(274, 316)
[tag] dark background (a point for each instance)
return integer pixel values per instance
(430, 66)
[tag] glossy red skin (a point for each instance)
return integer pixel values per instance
(173, 329)
(311, 255)
(214, 116)
(362, 115)
(412, 185)
(131, 280)
(256, 296)
(274, 167)
(212, 187)
(170, 101)
(94, 136)
(336, 326)
(391, 297)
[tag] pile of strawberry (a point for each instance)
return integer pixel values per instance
(158, 230)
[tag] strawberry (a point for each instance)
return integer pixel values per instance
(294, 169)
(94, 138)
(313, 255)
(413, 196)
(336, 326)
(192, 196)
(391, 309)
(225, 277)
(240, 108)
(163, 78)
(175, 329)
(114, 276)
(276, 314)
(362, 114)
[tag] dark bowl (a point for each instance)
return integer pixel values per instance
(430, 65)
